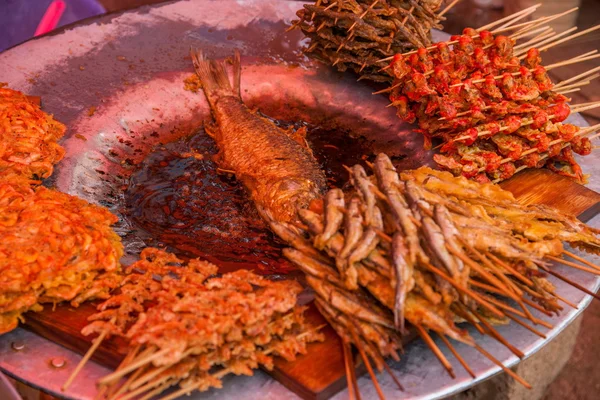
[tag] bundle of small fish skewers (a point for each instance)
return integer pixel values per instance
(424, 250)
(355, 34)
(184, 325)
(492, 103)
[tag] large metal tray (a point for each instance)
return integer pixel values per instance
(131, 67)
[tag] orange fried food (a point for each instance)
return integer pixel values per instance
(28, 137)
(53, 247)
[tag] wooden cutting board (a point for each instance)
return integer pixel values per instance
(320, 373)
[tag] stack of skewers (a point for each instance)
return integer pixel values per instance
(492, 103)
(423, 251)
(185, 326)
(356, 34)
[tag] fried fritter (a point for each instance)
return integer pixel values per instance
(53, 248)
(28, 138)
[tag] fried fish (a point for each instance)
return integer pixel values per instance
(279, 172)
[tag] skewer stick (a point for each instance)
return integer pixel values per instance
(580, 83)
(533, 32)
(568, 91)
(540, 309)
(499, 273)
(464, 290)
(567, 302)
(512, 22)
(594, 28)
(545, 34)
(577, 77)
(87, 356)
(436, 350)
(448, 7)
(488, 276)
(573, 265)
(510, 18)
(519, 50)
(570, 282)
(509, 268)
(353, 375)
(514, 310)
(157, 391)
(391, 373)
(388, 89)
(581, 260)
(349, 366)
(498, 363)
(544, 20)
(510, 310)
(494, 333)
(128, 358)
(135, 365)
(524, 28)
(457, 355)
(367, 363)
(143, 389)
(521, 54)
(462, 312)
(524, 325)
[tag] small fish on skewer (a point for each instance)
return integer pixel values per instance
(279, 173)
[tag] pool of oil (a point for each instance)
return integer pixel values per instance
(179, 199)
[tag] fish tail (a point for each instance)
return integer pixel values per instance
(213, 76)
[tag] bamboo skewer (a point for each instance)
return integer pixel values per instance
(570, 282)
(139, 363)
(526, 29)
(519, 51)
(488, 276)
(464, 313)
(581, 259)
(545, 34)
(515, 37)
(504, 368)
(367, 363)
(436, 350)
(495, 334)
(544, 20)
(348, 366)
(509, 268)
(573, 265)
(568, 91)
(457, 356)
(511, 23)
(524, 25)
(592, 29)
(514, 17)
(580, 83)
(448, 8)
(524, 325)
(577, 77)
(464, 290)
(87, 356)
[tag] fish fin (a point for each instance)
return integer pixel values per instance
(213, 76)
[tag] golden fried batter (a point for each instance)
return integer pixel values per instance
(53, 248)
(28, 137)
